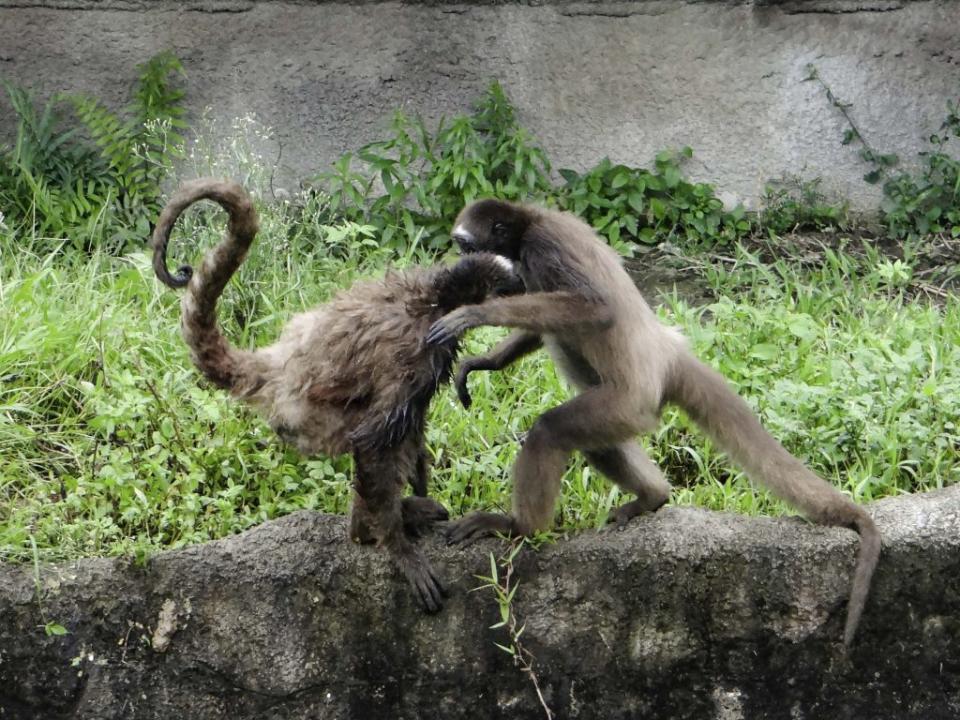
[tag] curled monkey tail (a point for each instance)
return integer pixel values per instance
(729, 422)
(212, 354)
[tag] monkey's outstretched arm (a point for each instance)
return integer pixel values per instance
(546, 312)
(518, 344)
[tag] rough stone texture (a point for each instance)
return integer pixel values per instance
(685, 614)
(591, 78)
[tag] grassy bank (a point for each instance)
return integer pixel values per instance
(110, 444)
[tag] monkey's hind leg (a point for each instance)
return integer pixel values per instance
(419, 517)
(362, 528)
(593, 420)
(629, 466)
(420, 514)
(420, 477)
(379, 478)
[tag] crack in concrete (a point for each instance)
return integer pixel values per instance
(204, 6)
(613, 9)
(833, 7)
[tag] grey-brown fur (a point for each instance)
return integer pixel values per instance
(609, 344)
(352, 375)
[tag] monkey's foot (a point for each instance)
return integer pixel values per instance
(619, 517)
(479, 525)
(420, 514)
(425, 583)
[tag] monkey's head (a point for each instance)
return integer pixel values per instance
(493, 226)
(474, 278)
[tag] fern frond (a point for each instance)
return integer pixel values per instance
(155, 99)
(96, 182)
(113, 136)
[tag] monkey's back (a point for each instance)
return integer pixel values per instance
(637, 347)
(355, 358)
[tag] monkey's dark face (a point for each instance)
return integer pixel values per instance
(491, 226)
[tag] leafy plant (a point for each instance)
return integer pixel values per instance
(51, 628)
(98, 182)
(43, 177)
(627, 204)
(927, 201)
(501, 581)
(881, 162)
(140, 151)
(415, 181)
(795, 205)
(894, 274)
(914, 204)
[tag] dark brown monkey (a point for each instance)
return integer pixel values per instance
(607, 341)
(352, 375)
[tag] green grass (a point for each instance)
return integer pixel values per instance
(110, 444)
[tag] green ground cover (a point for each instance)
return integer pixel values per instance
(111, 444)
(846, 342)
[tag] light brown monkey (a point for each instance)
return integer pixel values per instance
(609, 344)
(352, 375)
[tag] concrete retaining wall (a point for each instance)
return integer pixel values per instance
(685, 614)
(623, 79)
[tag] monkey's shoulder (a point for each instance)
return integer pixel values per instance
(396, 291)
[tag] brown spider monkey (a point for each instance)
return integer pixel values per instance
(608, 343)
(352, 375)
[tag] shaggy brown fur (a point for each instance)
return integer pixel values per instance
(352, 375)
(607, 341)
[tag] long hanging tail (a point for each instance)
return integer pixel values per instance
(221, 363)
(724, 416)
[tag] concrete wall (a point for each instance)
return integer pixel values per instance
(623, 79)
(686, 614)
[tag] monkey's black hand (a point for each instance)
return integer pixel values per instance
(478, 525)
(450, 327)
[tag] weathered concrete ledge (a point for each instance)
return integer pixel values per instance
(685, 614)
(590, 78)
